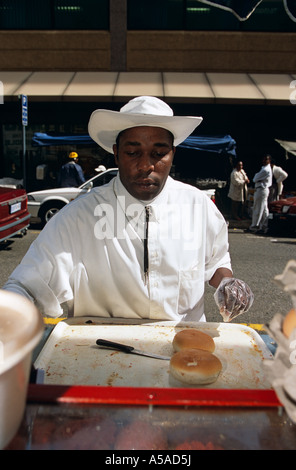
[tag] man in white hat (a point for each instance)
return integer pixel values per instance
(142, 246)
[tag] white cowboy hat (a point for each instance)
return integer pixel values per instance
(105, 125)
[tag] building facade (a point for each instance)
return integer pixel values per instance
(71, 56)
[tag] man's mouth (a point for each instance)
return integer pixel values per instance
(145, 183)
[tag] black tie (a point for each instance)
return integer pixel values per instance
(146, 261)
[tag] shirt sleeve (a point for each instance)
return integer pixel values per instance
(279, 174)
(44, 273)
(217, 246)
(261, 175)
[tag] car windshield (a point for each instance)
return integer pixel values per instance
(100, 179)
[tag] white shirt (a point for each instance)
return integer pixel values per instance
(90, 255)
(279, 174)
(263, 179)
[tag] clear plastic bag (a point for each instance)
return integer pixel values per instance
(233, 297)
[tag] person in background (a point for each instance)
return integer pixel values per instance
(141, 246)
(238, 191)
(276, 189)
(71, 174)
(100, 169)
(263, 181)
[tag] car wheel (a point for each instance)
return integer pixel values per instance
(49, 209)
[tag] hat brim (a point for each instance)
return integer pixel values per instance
(104, 125)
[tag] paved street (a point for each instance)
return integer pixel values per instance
(255, 259)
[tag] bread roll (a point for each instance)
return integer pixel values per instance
(289, 323)
(191, 338)
(194, 366)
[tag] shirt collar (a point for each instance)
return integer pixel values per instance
(128, 199)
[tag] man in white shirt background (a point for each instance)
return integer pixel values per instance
(263, 181)
(143, 245)
(276, 189)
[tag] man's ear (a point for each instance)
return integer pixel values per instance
(174, 151)
(115, 153)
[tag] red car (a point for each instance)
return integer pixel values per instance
(14, 215)
(282, 215)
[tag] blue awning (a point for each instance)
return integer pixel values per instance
(216, 144)
(40, 139)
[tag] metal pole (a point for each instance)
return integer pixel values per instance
(24, 158)
(24, 111)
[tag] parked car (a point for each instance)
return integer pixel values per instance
(45, 204)
(14, 214)
(282, 215)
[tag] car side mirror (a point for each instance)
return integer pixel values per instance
(89, 186)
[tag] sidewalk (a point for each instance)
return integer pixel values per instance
(238, 224)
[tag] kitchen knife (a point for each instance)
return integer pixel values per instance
(128, 349)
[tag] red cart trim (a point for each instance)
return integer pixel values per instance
(152, 396)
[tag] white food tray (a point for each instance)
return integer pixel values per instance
(71, 357)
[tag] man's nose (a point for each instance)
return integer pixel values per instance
(145, 163)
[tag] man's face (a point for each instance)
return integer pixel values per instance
(144, 157)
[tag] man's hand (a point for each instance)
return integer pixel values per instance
(233, 297)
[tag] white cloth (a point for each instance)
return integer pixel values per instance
(90, 255)
(237, 189)
(263, 179)
(280, 175)
(260, 210)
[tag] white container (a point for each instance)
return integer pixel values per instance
(21, 328)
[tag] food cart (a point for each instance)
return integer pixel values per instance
(87, 397)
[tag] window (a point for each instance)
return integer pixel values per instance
(81, 14)
(193, 15)
(54, 14)
(155, 14)
(200, 16)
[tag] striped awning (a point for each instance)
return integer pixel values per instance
(252, 88)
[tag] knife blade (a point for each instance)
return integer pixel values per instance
(129, 349)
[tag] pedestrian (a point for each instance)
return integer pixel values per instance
(278, 176)
(71, 174)
(238, 191)
(141, 246)
(263, 181)
(100, 169)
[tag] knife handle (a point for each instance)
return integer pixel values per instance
(111, 344)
